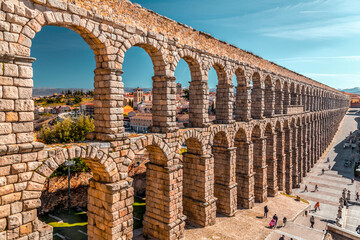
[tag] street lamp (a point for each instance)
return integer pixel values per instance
(68, 164)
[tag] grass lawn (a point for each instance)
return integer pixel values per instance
(139, 211)
(71, 224)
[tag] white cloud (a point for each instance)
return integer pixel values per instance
(312, 59)
(333, 28)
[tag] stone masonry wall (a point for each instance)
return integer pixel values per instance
(230, 163)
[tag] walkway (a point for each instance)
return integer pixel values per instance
(330, 186)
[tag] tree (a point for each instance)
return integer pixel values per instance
(67, 131)
(186, 94)
(77, 100)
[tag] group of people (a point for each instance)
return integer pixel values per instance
(274, 220)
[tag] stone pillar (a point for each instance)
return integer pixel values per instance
(281, 170)
(243, 104)
(16, 105)
(199, 104)
(224, 104)
(225, 180)
(305, 145)
(163, 107)
(287, 99)
(279, 101)
(245, 174)
(163, 218)
(295, 166)
(300, 155)
(269, 110)
(108, 105)
(260, 169)
(288, 161)
(198, 184)
(257, 103)
(271, 161)
(110, 210)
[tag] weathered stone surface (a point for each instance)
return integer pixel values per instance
(227, 164)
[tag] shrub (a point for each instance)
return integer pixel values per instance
(80, 166)
(67, 131)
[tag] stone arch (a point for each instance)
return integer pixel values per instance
(87, 29)
(279, 97)
(269, 97)
(224, 93)
(152, 47)
(199, 204)
(257, 96)
(198, 81)
(288, 156)
(302, 97)
(287, 96)
(244, 168)
(195, 136)
(102, 48)
(105, 177)
(271, 159)
(243, 95)
(293, 93)
(217, 129)
(280, 156)
(258, 141)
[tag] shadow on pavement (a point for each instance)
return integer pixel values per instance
(347, 172)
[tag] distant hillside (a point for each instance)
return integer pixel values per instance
(43, 91)
(355, 90)
(50, 91)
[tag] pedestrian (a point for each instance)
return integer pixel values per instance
(282, 237)
(329, 166)
(352, 181)
(312, 221)
(316, 188)
(305, 189)
(328, 159)
(284, 221)
(357, 229)
(317, 206)
(323, 170)
(266, 210)
(275, 217)
(357, 196)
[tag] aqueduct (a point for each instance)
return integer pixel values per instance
(281, 125)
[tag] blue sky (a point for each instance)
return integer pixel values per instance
(317, 38)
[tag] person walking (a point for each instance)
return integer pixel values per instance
(316, 188)
(266, 210)
(352, 181)
(275, 217)
(357, 196)
(312, 221)
(284, 221)
(323, 170)
(282, 237)
(317, 206)
(358, 229)
(329, 166)
(305, 189)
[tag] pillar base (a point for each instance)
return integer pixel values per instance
(272, 192)
(154, 229)
(201, 213)
(227, 199)
(247, 203)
